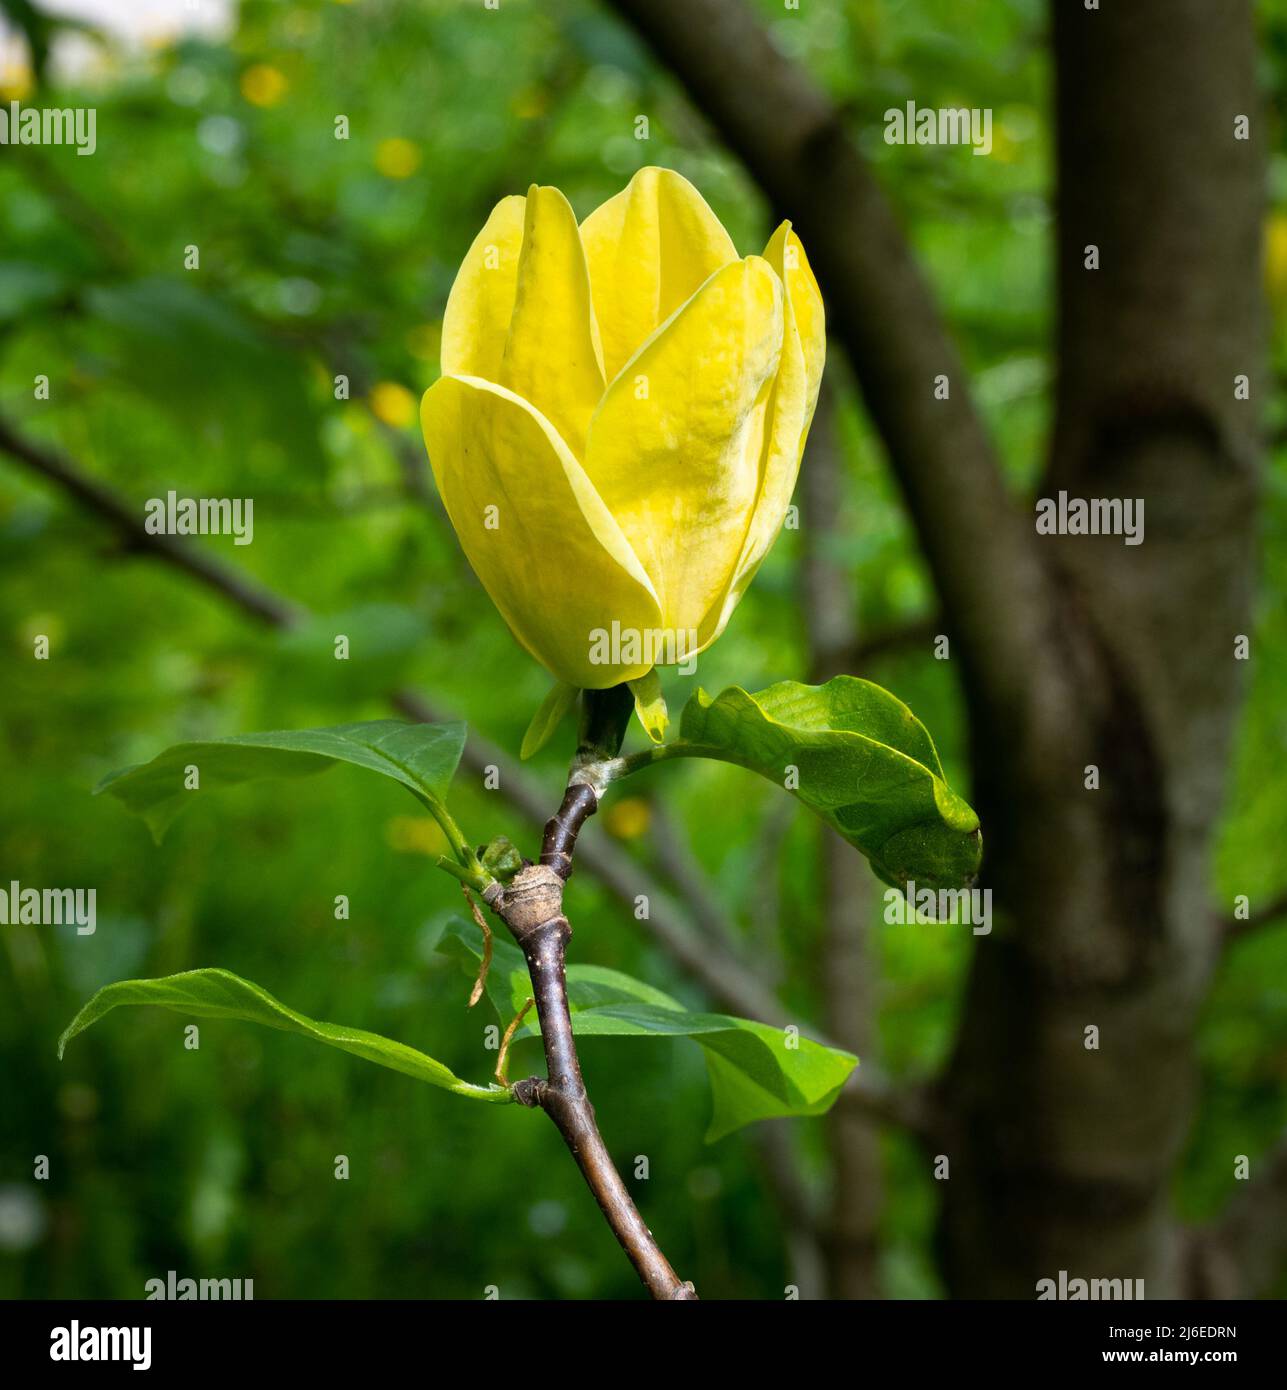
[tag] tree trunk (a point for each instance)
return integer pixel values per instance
(1062, 1155)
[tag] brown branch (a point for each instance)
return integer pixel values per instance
(563, 1097)
(561, 830)
(128, 523)
(793, 141)
(531, 906)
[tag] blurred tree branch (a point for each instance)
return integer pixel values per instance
(794, 143)
(797, 1210)
(126, 521)
(848, 966)
(675, 858)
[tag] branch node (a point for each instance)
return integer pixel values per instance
(533, 898)
(530, 1092)
(580, 802)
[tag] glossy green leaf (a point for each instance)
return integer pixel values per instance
(422, 757)
(859, 758)
(756, 1072)
(220, 994)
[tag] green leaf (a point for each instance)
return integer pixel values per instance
(220, 994)
(862, 761)
(549, 715)
(650, 705)
(422, 757)
(756, 1072)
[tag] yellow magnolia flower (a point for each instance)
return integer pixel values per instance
(619, 424)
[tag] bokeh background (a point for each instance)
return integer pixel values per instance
(321, 256)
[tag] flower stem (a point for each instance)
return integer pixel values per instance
(532, 907)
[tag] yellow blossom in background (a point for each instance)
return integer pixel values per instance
(530, 103)
(397, 158)
(263, 85)
(17, 82)
(416, 835)
(392, 403)
(1276, 258)
(628, 819)
(1005, 148)
(48, 625)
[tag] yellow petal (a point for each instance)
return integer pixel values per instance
(538, 535)
(785, 253)
(795, 393)
(552, 356)
(650, 249)
(675, 446)
(481, 302)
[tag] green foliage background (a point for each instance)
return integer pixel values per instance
(316, 260)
